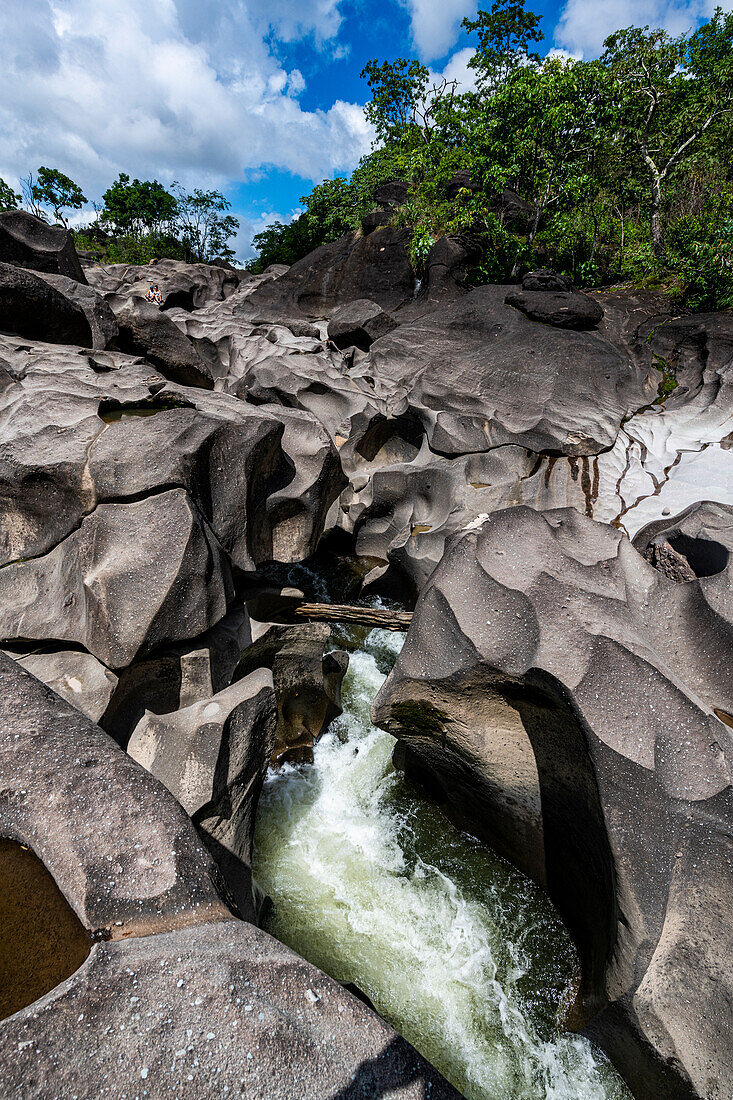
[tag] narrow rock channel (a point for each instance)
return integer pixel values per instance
(462, 954)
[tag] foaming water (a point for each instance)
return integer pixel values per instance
(457, 950)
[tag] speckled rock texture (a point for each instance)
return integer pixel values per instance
(307, 682)
(124, 854)
(181, 285)
(572, 703)
(566, 694)
(144, 330)
(176, 996)
(376, 267)
(220, 1009)
(31, 307)
(478, 374)
(73, 674)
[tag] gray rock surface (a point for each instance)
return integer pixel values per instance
(359, 324)
(97, 312)
(31, 307)
(76, 676)
(176, 996)
(565, 698)
(181, 285)
(478, 374)
(132, 577)
(74, 427)
(177, 675)
(561, 308)
(213, 755)
(144, 330)
(220, 1009)
(307, 683)
(376, 267)
(28, 242)
(123, 852)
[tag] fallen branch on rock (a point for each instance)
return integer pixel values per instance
(347, 613)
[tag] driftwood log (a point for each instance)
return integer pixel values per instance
(347, 613)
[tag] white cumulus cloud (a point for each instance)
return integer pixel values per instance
(435, 24)
(585, 24)
(174, 88)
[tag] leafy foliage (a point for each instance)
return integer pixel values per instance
(9, 200)
(52, 188)
(613, 170)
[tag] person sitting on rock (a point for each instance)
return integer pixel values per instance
(154, 295)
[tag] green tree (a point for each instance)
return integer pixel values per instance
(505, 33)
(405, 106)
(203, 223)
(9, 200)
(330, 209)
(137, 207)
(670, 92)
(546, 126)
(52, 188)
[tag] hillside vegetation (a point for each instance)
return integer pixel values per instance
(611, 170)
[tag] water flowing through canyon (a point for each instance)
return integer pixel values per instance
(463, 955)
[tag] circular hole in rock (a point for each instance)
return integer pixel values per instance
(42, 941)
(706, 557)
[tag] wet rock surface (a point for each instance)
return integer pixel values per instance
(564, 693)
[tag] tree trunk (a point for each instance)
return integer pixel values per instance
(655, 220)
(361, 616)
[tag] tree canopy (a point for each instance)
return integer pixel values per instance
(615, 169)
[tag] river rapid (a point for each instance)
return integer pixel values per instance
(461, 953)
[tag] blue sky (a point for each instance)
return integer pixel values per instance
(259, 98)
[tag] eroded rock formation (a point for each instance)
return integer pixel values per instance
(175, 995)
(565, 693)
(568, 701)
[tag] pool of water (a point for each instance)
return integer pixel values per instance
(461, 953)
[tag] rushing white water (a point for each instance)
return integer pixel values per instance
(457, 950)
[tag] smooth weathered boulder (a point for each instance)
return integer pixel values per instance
(213, 755)
(144, 330)
(74, 675)
(445, 274)
(307, 683)
(561, 308)
(31, 307)
(27, 241)
(478, 374)
(178, 675)
(181, 285)
(176, 996)
(132, 577)
(100, 317)
(73, 432)
(569, 702)
(220, 1009)
(121, 849)
(376, 267)
(544, 278)
(359, 324)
